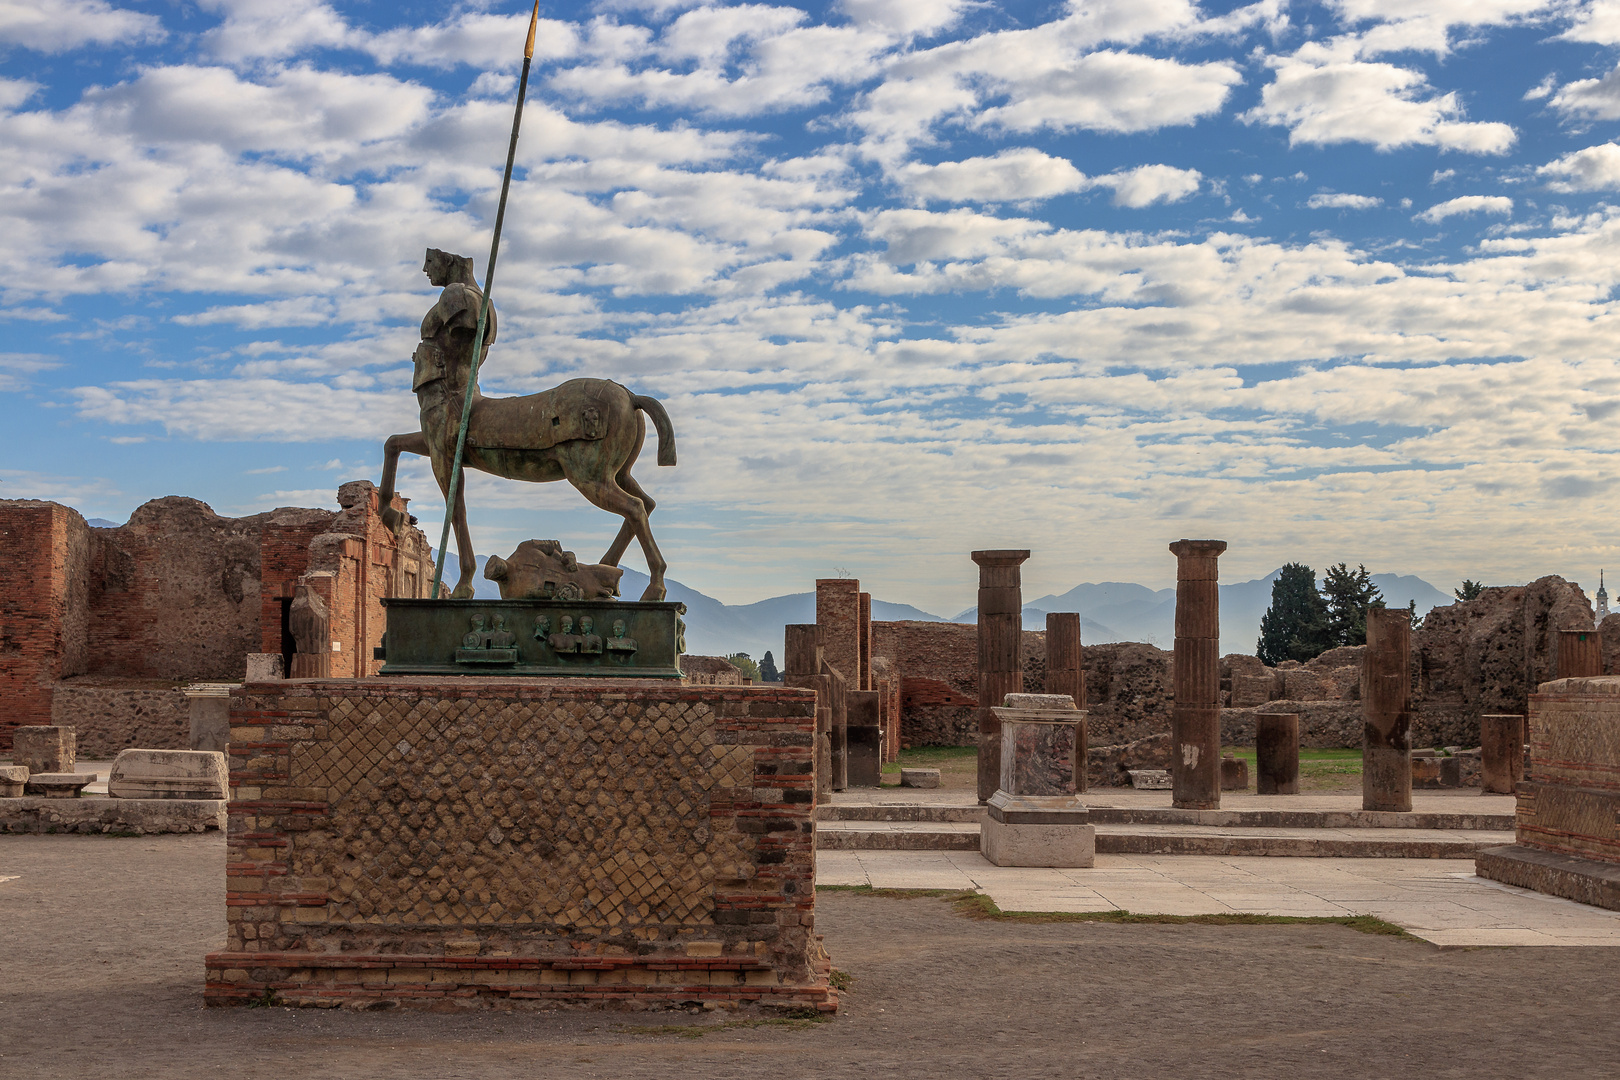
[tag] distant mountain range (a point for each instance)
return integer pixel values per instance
(1109, 611)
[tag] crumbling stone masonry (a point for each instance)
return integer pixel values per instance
(484, 841)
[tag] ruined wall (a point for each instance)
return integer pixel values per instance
(45, 552)
(283, 558)
(176, 593)
(710, 671)
(937, 665)
(109, 714)
(412, 840)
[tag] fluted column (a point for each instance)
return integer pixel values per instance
(1386, 710)
(1001, 657)
(1066, 674)
(1195, 718)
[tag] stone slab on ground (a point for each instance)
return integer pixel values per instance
(104, 815)
(1009, 844)
(919, 778)
(169, 774)
(1430, 899)
(1585, 880)
(12, 780)
(57, 785)
(1150, 779)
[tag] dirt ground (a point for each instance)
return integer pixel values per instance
(101, 944)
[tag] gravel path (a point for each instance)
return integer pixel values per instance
(101, 943)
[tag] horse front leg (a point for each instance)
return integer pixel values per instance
(413, 442)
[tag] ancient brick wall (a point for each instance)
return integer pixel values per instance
(109, 714)
(177, 593)
(937, 665)
(44, 556)
(710, 671)
(1570, 804)
(483, 838)
(283, 558)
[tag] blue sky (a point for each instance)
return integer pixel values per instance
(1329, 281)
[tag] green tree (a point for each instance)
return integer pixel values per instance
(767, 669)
(1470, 590)
(745, 664)
(1349, 593)
(1411, 613)
(1295, 627)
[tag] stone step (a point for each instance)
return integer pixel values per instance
(1119, 815)
(1362, 843)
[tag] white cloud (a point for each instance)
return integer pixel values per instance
(1342, 201)
(1010, 176)
(1149, 184)
(1596, 99)
(1596, 168)
(1466, 204)
(269, 29)
(1596, 21)
(1324, 101)
(56, 26)
(905, 18)
(1424, 25)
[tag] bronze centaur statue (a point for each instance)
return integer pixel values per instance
(587, 431)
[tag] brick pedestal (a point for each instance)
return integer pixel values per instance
(425, 840)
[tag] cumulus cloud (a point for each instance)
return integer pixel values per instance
(1595, 99)
(1149, 184)
(1026, 174)
(1596, 21)
(905, 18)
(1342, 201)
(57, 26)
(1322, 100)
(1596, 168)
(1466, 204)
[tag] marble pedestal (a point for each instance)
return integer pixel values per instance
(1035, 818)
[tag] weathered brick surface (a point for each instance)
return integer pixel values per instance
(44, 608)
(488, 840)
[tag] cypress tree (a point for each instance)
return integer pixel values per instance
(1295, 627)
(767, 669)
(1349, 593)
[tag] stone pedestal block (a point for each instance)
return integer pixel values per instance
(863, 739)
(696, 845)
(49, 749)
(168, 774)
(1035, 818)
(12, 780)
(62, 785)
(210, 705)
(1386, 709)
(1001, 660)
(1195, 716)
(919, 778)
(1276, 753)
(1069, 843)
(265, 667)
(1234, 774)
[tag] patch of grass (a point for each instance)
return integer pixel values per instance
(266, 1000)
(934, 757)
(842, 981)
(974, 905)
(792, 1019)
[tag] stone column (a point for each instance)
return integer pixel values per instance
(838, 723)
(1276, 753)
(1195, 718)
(1386, 710)
(1001, 655)
(1580, 654)
(1501, 750)
(865, 641)
(1066, 674)
(801, 668)
(838, 613)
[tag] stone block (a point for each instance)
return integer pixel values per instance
(1251, 690)
(265, 667)
(59, 785)
(44, 749)
(1150, 779)
(210, 706)
(1234, 774)
(1276, 747)
(1049, 831)
(14, 777)
(94, 814)
(168, 774)
(919, 778)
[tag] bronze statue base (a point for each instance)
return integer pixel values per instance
(596, 638)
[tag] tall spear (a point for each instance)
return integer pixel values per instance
(483, 309)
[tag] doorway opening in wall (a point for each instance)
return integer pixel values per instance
(288, 644)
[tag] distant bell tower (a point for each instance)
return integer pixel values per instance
(1602, 600)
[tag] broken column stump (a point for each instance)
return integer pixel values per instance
(1501, 745)
(1234, 774)
(1386, 710)
(1001, 658)
(1195, 718)
(1066, 674)
(1035, 818)
(1276, 753)
(1580, 654)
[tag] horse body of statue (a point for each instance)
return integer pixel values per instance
(586, 431)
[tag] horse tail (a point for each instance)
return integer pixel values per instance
(666, 431)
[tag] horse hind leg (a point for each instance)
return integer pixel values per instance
(608, 495)
(627, 531)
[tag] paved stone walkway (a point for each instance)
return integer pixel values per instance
(1439, 900)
